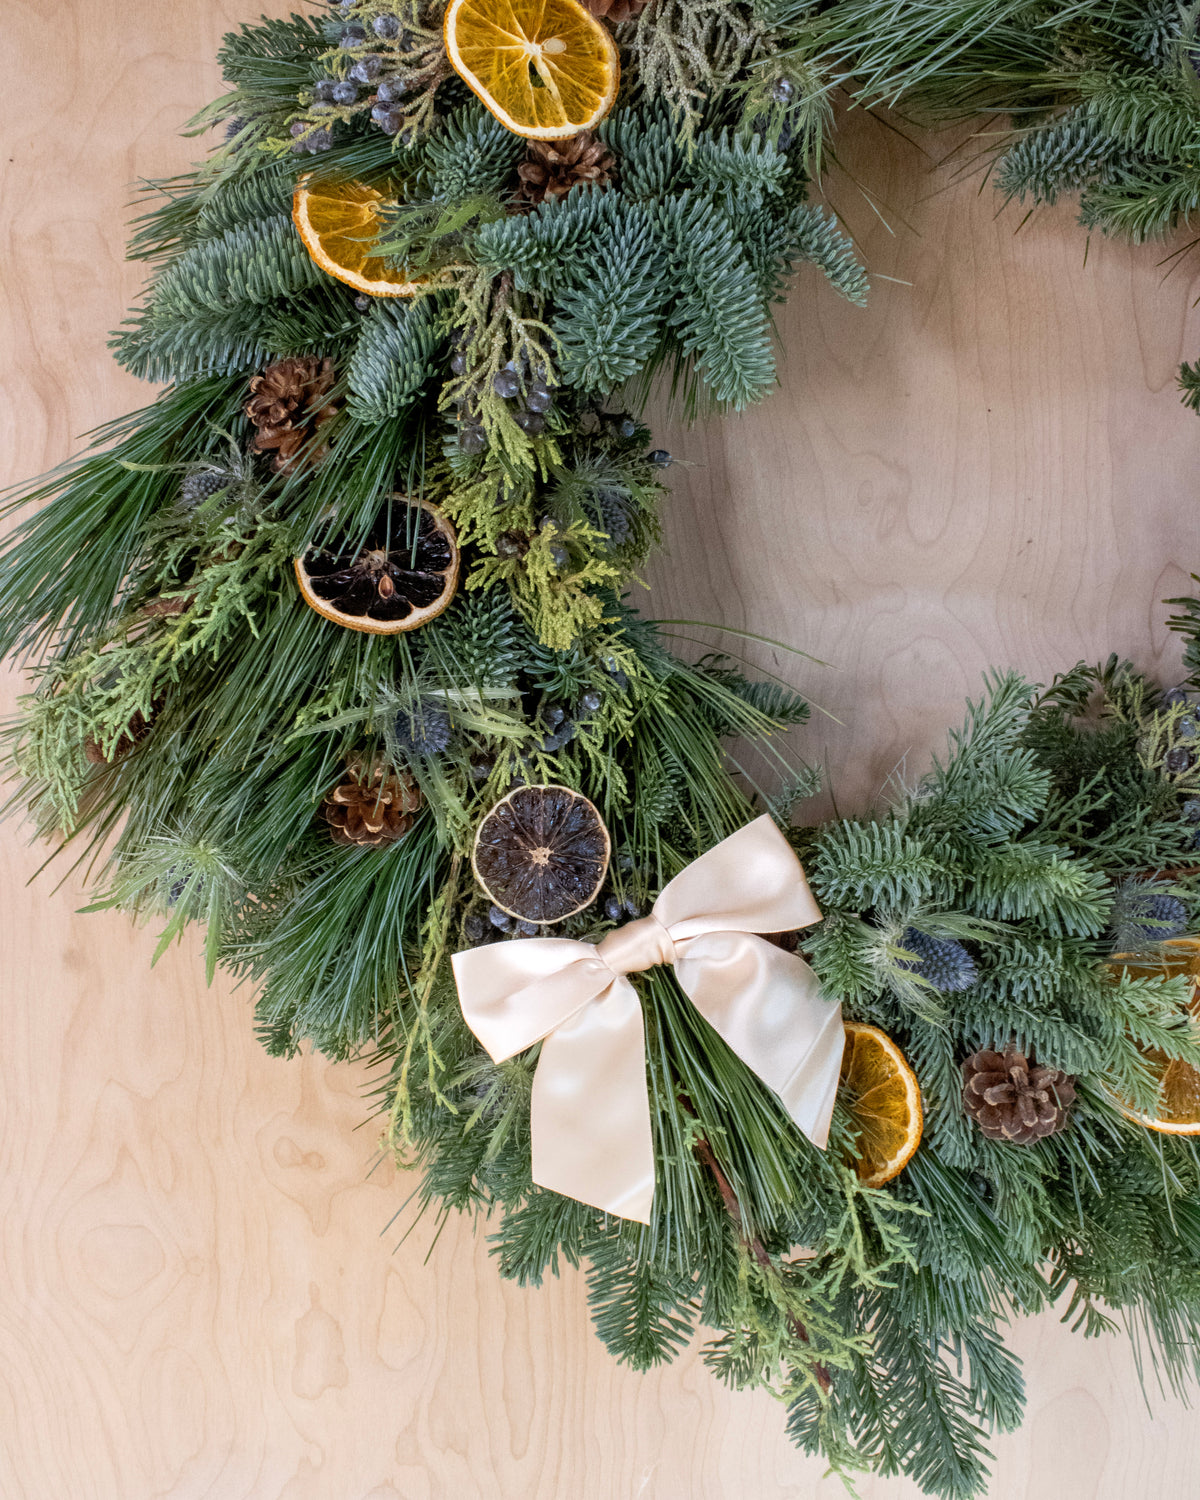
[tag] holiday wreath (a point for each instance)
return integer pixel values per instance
(331, 656)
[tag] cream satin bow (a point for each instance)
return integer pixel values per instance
(590, 1119)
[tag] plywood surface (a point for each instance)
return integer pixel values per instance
(199, 1293)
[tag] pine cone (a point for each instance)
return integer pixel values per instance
(371, 806)
(615, 11)
(1012, 1099)
(553, 168)
(287, 406)
(135, 732)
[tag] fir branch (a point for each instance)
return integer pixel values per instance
(471, 156)
(610, 317)
(1061, 158)
(718, 315)
(393, 359)
(816, 238)
(862, 865)
(252, 263)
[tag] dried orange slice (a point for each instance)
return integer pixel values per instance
(1178, 1109)
(884, 1099)
(545, 68)
(401, 574)
(338, 222)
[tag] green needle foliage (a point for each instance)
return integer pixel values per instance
(190, 718)
(1103, 94)
(885, 1344)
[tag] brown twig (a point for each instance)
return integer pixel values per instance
(1178, 872)
(707, 1158)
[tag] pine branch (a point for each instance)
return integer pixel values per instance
(539, 248)
(271, 61)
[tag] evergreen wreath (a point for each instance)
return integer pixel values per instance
(300, 625)
(1099, 99)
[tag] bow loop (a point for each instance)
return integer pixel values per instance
(526, 989)
(750, 882)
(592, 1137)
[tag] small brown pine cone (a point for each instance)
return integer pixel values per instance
(1012, 1099)
(158, 609)
(553, 168)
(287, 406)
(372, 806)
(615, 11)
(135, 732)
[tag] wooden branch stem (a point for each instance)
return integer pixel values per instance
(707, 1158)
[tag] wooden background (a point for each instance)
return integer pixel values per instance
(199, 1294)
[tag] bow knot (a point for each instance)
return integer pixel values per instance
(638, 945)
(592, 1136)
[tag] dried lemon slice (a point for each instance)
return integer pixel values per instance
(884, 1099)
(545, 68)
(541, 854)
(338, 222)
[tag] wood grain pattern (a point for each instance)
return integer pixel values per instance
(987, 466)
(199, 1293)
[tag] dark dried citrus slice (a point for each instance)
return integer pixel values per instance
(542, 853)
(401, 574)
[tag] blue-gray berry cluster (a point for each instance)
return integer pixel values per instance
(529, 393)
(562, 725)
